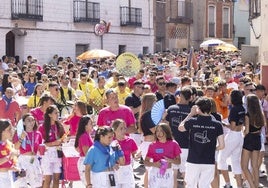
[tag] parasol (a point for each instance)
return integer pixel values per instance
(95, 54)
(211, 43)
(227, 47)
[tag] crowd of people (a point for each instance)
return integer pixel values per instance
(215, 108)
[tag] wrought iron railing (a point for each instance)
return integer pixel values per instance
(27, 9)
(131, 16)
(85, 11)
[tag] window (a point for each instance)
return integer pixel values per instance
(27, 9)
(211, 21)
(226, 22)
(130, 16)
(121, 49)
(241, 40)
(145, 50)
(85, 11)
(181, 8)
(80, 48)
(254, 8)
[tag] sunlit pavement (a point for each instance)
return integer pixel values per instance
(140, 169)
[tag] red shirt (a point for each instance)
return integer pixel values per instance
(10, 112)
(5, 149)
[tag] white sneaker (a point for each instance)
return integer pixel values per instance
(262, 174)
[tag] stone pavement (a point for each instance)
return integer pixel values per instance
(139, 171)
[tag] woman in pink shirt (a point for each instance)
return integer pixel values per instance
(125, 174)
(53, 134)
(38, 112)
(79, 109)
(7, 153)
(83, 142)
(160, 156)
(27, 142)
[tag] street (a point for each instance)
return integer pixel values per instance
(139, 172)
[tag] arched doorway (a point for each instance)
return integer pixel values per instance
(10, 44)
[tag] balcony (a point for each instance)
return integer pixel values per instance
(130, 16)
(27, 9)
(254, 9)
(85, 11)
(185, 13)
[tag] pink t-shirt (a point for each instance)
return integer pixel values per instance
(158, 150)
(73, 122)
(128, 145)
(84, 140)
(38, 115)
(153, 86)
(106, 116)
(53, 133)
(5, 151)
(33, 139)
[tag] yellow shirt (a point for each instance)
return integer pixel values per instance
(122, 96)
(111, 84)
(33, 101)
(86, 88)
(66, 94)
(81, 95)
(97, 96)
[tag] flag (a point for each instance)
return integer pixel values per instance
(192, 61)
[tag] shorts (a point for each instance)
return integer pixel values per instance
(50, 162)
(252, 142)
(33, 170)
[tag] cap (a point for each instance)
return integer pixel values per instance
(84, 70)
(176, 80)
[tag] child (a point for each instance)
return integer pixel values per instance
(163, 152)
(83, 142)
(125, 174)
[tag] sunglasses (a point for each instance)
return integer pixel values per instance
(162, 83)
(251, 90)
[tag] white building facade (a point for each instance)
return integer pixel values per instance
(42, 28)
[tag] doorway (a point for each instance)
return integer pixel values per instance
(10, 44)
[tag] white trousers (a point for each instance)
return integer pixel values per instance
(233, 148)
(199, 175)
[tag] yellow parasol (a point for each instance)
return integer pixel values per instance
(227, 47)
(95, 54)
(128, 64)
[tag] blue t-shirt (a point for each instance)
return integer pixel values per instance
(30, 87)
(100, 161)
